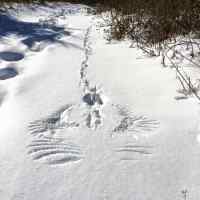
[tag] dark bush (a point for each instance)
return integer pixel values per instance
(152, 22)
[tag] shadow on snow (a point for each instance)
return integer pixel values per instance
(31, 32)
(7, 73)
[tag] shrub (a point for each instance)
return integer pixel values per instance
(152, 22)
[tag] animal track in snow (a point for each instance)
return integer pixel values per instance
(54, 151)
(46, 147)
(91, 96)
(84, 65)
(136, 124)
(93, 102)
(133, 152)
(93, 119)
(133, 123)
(57, 120)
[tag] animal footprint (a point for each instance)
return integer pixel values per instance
(93, 119)
(54, 151)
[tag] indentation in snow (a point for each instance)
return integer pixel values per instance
(129, 122)
(133, 152)
(92, 98)
(7, 73)
(11, 56)
(49, 125)
(54, 151)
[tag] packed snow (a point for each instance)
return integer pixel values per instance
(84, 119)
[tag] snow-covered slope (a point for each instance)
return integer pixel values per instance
(83, 119)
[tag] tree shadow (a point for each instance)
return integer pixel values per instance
(11, 56)
(31, 32)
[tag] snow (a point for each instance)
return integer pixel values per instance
(84, 119)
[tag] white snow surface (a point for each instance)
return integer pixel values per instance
(88, 120)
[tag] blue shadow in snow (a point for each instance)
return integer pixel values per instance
(32, 32)
(11, 56)
(7, 73)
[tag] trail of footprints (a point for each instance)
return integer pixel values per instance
(91, 96)
(84, 82)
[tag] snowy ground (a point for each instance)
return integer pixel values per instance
(83, 119)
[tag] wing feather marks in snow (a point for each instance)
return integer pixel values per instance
(133, 152)
(133, 123)
(54, 151)
(55, 121)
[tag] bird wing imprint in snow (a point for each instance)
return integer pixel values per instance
(46, 146)
(130, 122)
(54, 151)
(127, 122)
(57, 120)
